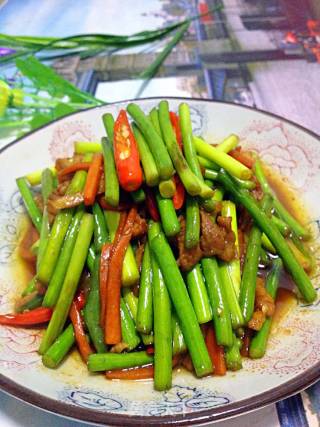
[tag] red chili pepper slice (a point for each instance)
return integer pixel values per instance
(152, 205)
(174, 118)
(126, 154)
(29, 318)
(179, 195)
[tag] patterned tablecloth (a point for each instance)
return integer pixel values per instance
(207, 65)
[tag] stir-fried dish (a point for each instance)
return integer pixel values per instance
(154, 249)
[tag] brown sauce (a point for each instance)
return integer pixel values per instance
(286, 194)
(286, 301)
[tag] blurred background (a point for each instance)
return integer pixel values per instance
(262, 53)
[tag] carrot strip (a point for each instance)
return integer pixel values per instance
(80, 300)
(112, 316)
(137, 373)
(243, 157)
(104, 267)
(93, 179)
(74, 167)
(216, 353)
(80, 336)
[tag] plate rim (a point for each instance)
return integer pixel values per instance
(291, 387)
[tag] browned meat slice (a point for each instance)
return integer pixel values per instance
(244, 220)
(65, 162)
(264, 306)
(56, 203)
(217, 240)
(263, 301)
(187, 257)
(257, 193)
(61, 164)
(225, 222)
(140, 226)
(62, 188)
(60, 200)
(257, 320)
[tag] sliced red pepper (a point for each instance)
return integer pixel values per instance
(93, 179)
(29, 318)
(174, 118)
(126, 154)
(180, 193)
(136, 373)
(152, 205)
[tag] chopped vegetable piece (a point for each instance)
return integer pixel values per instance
(111, 190)
(183, 306)
(126, 154)
(70, 283)
(222, 159)
(155, 143)
(216, 353)
(110, 361)
(59, 349)
(30, 318)
(93, 178)
(113, 322)
(298, 274)
(29, 202)
(81, 339)
(92, 310)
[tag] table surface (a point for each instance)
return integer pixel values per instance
(288, 87)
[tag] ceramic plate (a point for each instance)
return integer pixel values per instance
(292, 361)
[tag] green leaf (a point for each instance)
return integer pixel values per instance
(40, 119)
(47, 79)
(151, 71)
(62, 110)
